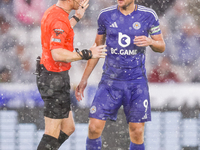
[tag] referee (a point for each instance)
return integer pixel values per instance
(52, 71)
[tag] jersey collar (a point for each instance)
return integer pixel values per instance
(136, 8)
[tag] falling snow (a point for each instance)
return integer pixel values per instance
(174, 77)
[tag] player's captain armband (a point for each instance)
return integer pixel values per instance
(154, 30)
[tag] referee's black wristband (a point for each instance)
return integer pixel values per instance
(76, 18)
(85, 54)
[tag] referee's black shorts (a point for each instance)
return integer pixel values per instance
(54, 88)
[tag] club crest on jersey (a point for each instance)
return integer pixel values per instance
(58, 31)
(136, 25)
(93, 109)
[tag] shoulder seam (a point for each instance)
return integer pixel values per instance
(146, 9)
(108, 9)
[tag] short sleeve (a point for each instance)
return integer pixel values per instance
(154, 28)
(59, 31)
(101, 25)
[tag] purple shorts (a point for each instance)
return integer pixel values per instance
(112, 94)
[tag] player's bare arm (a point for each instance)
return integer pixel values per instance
(79, 93)
(63, 55)
(156, 42)
(79, 13)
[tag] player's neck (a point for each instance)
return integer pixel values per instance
(126, 10)
(63, 5)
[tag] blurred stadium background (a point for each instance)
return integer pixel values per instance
(174, 78)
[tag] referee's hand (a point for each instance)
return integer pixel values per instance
(98, 51)
(81, 10)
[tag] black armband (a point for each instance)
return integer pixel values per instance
(76, 18)
(85, 54)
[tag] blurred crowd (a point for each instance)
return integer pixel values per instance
(20, 41)
(182, 36)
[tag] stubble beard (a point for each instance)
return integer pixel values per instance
(127, 5)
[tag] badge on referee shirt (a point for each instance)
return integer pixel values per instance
(58, 31)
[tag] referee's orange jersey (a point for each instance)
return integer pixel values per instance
(56, 32)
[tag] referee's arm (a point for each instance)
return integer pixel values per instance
(63, 55)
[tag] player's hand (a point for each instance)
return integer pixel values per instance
(79, 93)
(98, 51)
(81, 10)
(142, 41)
